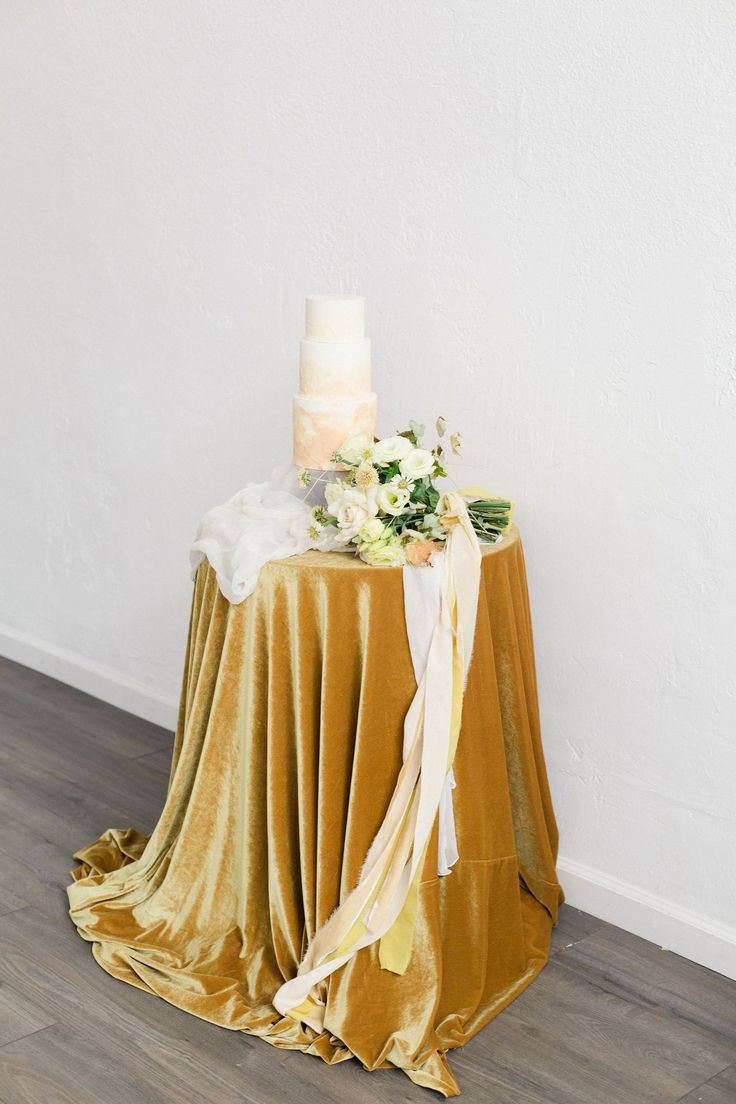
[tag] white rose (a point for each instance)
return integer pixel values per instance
(416, 464)
(372, 530)
(353, 508)
(392, 499)
(356, 448)
(383, 553)
(390, 449)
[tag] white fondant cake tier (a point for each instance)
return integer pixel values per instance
(334, 317)
(321, 426)
(340, 369)
(334, 400)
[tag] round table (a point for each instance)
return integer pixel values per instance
(288, 745)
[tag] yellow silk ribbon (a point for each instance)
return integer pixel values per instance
(394, 950)
(475, 492)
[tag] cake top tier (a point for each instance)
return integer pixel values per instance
(335, 317)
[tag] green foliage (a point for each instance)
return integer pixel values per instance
(490, 517)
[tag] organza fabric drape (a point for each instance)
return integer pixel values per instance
(287, 749)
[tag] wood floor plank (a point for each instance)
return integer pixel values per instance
(53, 806)
(61, 1065)
(570, 1039)
(19, 1015)
(58, 971)
(721, 1089)
(36, 868)
(648, 977)
(10, 900)
(44, 753)
(25, 692)
(159, 760)
(572, 926)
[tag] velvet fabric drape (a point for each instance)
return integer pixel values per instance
(286, 753)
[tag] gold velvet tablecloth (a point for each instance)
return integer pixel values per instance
(287, 749)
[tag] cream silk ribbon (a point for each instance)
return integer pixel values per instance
(422, 596)
(385, 899)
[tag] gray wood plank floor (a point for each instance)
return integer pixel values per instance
(611, 1020)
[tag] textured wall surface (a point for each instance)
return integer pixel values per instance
(538, 202)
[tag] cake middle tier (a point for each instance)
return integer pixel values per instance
(321, 425)
(335, 369)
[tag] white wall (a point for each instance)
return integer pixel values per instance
(538, 201)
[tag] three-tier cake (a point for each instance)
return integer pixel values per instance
(334, 400)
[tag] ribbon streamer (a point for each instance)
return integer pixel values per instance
(387, 890)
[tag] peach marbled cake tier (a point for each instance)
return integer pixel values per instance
(321, 426)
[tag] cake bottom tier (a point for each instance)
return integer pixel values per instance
(321, 426)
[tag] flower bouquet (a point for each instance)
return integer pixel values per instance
(387, 507)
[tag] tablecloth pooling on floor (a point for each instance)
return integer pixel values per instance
(287, 749)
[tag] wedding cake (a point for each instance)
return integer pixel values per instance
(334, 400)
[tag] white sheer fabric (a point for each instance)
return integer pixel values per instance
(264, 521)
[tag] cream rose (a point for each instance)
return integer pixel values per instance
(351, 510)
(372, 530)
(388, 553)
(416, 464)
(390, 449)
(392, 499)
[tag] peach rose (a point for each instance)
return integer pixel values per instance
(418, 551)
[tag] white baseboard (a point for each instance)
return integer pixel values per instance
(93, 678)
(677, 929)
(687, 933)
